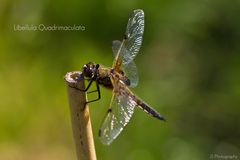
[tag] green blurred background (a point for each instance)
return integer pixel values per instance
(189, 70)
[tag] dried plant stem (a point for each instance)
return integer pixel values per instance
(80, 117)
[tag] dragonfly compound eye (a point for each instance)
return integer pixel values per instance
(87, 71)
(84, 68)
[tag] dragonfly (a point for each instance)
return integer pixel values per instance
(120, 78)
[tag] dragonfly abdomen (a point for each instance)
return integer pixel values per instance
(149, 110)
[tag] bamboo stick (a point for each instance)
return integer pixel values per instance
(80, 118)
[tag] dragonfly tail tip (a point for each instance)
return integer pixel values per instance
(162, 118)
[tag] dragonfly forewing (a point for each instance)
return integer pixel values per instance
(134, 34)
(132, 41)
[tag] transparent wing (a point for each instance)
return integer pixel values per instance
(116, 44)
(118, 115)
(132, 41)
(131, 72)
(134, 35)
(130, 69)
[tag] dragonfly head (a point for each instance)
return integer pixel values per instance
(90, 70)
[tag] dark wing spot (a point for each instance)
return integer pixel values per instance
(109, 110)
(125, 37)
(127, 82)
(100, 133)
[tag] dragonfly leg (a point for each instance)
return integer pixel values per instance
(99, 93)
(99, 96)
(86, 89)
(92, 91)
